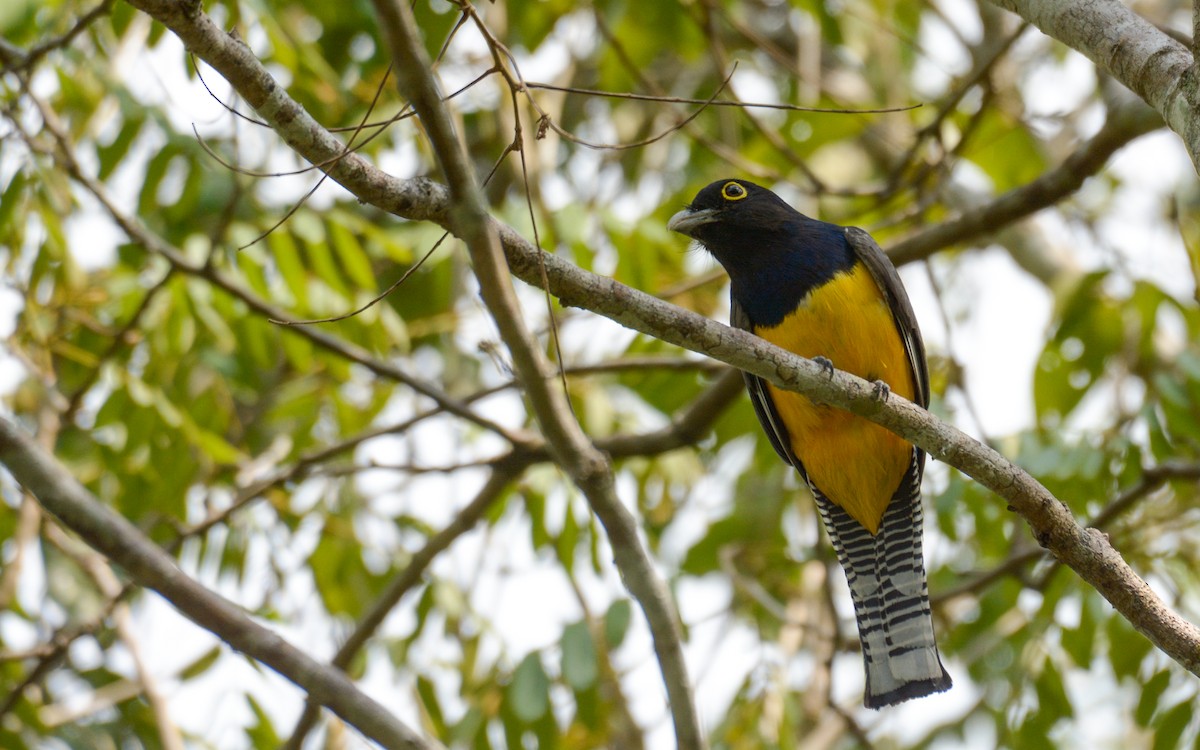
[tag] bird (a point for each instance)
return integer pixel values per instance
(829, 293)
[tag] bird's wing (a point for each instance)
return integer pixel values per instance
(760, 397)
(886, 278)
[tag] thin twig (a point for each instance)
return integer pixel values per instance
(16, 60)
(716, 102)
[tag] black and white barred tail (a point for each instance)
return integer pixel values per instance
(886, 573)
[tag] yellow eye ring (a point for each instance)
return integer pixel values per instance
(733, 191)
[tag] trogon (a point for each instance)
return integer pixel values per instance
(829, 293)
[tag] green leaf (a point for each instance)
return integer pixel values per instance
(579, 666)
(1079, 642)
(616, 622)
(1127, 647)
(156, 169)
(568, 540)
(429, 702)
(1008, 153)
(351, 255)
(529, 692)
(1169, 729)
(262, 732)
(10, 199)
(286, 255)
(1088, 335)
(341, 577)
(1148, 702)
(201, 665)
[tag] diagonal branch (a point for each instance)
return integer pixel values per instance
(59, 493)
(1126, 121)
(571, 449)
(1087, 551)
(406, 581)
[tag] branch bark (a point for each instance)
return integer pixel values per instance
(1153, 65)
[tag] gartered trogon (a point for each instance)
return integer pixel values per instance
(829, 293)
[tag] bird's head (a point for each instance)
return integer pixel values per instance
(731, 210)
(767, 246)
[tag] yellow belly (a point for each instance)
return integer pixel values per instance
(856, 464)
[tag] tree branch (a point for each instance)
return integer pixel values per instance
(1153, 65)
(146, 682)
(1126, 121)
(1195, 46)
(110, 534)
(405, 582)
(179, 261)
(589, 468)
(1086, 551)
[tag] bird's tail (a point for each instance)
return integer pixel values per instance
(886, 573)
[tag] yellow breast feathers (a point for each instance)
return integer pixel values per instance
(856, 464)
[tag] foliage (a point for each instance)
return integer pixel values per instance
(298, 470)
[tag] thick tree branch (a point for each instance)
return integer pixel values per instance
(58, 492)
(1152, 64)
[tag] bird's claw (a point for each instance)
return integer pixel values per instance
(825, 365)
(880, 390)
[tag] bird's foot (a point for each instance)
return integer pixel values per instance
(880, 390)
(825, 365)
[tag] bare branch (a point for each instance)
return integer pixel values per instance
(1153, 65)
(1126, 121)
(405, 582)
(116, 538)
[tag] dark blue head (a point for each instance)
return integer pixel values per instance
(774, 254)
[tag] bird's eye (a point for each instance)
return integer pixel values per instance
(733, 191)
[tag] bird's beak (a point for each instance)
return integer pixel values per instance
(689, 220)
